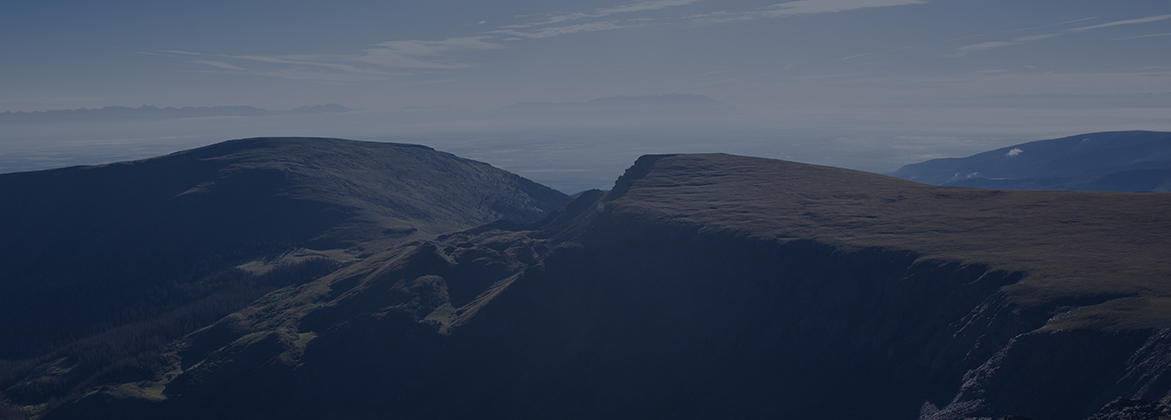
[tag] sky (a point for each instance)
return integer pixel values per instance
(866, 84)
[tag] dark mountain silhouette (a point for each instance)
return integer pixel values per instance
(150, 112)
(1115, 161)
(101, 265)
(710, 286)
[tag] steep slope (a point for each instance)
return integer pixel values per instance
(708, 286)
(101, 264)
(1115, 161)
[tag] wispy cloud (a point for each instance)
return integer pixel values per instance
(219, 64)
(802, 7)
(1032, 38)
(876, 52)
(425, 54)
(1141, 36)
(965, 50)
(1068, 22)
(1123, 22)
(563, 30)
(799, 7)
(968, 49)
(373, 63)
(644, 5)
(638, 6)
(378, 60)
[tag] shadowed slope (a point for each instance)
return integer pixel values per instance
(1082, 246)
(100, 263)
(708, 286)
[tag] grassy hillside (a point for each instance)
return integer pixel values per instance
(1105, 252)
(706, 286)
(100, 265)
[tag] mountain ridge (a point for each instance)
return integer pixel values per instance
(102, 264)
(1110, 161)
(707, 285)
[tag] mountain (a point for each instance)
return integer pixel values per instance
(671, 102)
(150, 112)
(710, 286)
(102, 265)
(1114, 161)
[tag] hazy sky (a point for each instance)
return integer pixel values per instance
(487, 54)
(915, 69)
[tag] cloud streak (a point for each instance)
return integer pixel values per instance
(1141, 36)
(378, 60)
(374, 63)
(1123, 22)
(425, 54)
(638, 6)
(967, 49)
(567, 29)
(804, 7)
(799, 7)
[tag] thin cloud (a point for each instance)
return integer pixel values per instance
(1123, 22)
(1032, 38)
(568, 29)
(1025, 29)
(644, 5)
(426, 54)
(638, 6)
(1141, 36)
(877, 52)
(803, 7)
(799, 7)
(372, 64)
(967, 49)
(219, 64)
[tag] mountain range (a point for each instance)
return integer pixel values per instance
(370, 281)
(1114, 161)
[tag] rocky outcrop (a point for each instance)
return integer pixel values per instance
(1065, 374)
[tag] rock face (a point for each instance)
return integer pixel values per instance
(100, 264)
(706, 286)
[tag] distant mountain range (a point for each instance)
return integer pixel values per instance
(671, 102)
(150, 112)
(323, 278)
(1113, 161)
